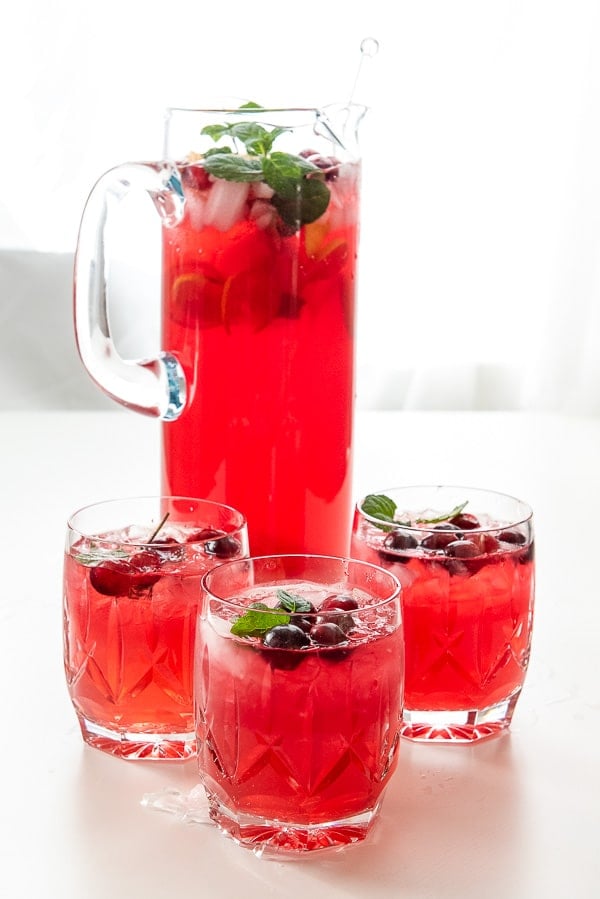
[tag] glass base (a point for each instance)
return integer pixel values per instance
(131, 745)
(284, 838)
(458, 726)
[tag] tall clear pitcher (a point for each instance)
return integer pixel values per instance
(255, 383)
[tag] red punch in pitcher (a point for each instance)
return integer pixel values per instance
(255, 385)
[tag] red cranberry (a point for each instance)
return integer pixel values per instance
(462, 549)
(195, 176)
(441, 536)
(465, 521)
(516, 538)
(147, 564)
(327, 634)
(340, 601)
(113, 577)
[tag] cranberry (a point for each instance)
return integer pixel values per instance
(441, 536)
(328, 164)
(223, 548)
(343, 620)
(286, 636)
(146, 563)
(465, 522)
(328, 634)
(340, 601)
(112, 578)
(282, 638)
(516, 538)
(400, 540)
(462, 549)
(489, 543)
(196, 177)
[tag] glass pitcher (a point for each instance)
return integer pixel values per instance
(259, 211)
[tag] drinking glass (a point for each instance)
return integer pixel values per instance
(465, 559)
(132, 575)
(299, 673)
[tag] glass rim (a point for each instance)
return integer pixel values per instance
(199, 501)
(524, 517)
(345, 560)
(259, 110)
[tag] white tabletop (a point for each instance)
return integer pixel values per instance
(517, 816)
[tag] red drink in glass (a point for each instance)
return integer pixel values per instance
(467, 597)
(298, 733)
(130, 609)
(272, 312)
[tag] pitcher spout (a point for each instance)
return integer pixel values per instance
(339, 123)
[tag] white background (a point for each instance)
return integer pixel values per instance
(480, 227)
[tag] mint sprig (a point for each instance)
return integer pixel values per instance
(378, 505)
(257, 620)
(300, 193)
(292, 602)
(445, 516)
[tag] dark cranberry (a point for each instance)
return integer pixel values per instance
(442, 535)
(462, 549)
(343, 620)
(112, 578)
(327, 634)
(286, 636)
(328, 164)
(196, 177)
(400, 540)
(223, 548)
(281, 639)
(465, 522)
(304, 623)
(516, 538)
(340, 601)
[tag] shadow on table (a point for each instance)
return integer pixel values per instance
(451, 824)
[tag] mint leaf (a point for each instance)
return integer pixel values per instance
(257, 620)
(231, 167)
(308, 203)
(444, 516)
(378, 505)
(291, 602)
(284, 172)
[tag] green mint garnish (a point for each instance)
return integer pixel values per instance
(292, 602)
(98, 554)
(378, 505)
(257, 620)
(444, 516)
(301, 195)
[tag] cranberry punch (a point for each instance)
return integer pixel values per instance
(132, 575)
(465, 559)
(298, 693)
(259, 213)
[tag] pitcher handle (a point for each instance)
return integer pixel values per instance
(155, 386)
